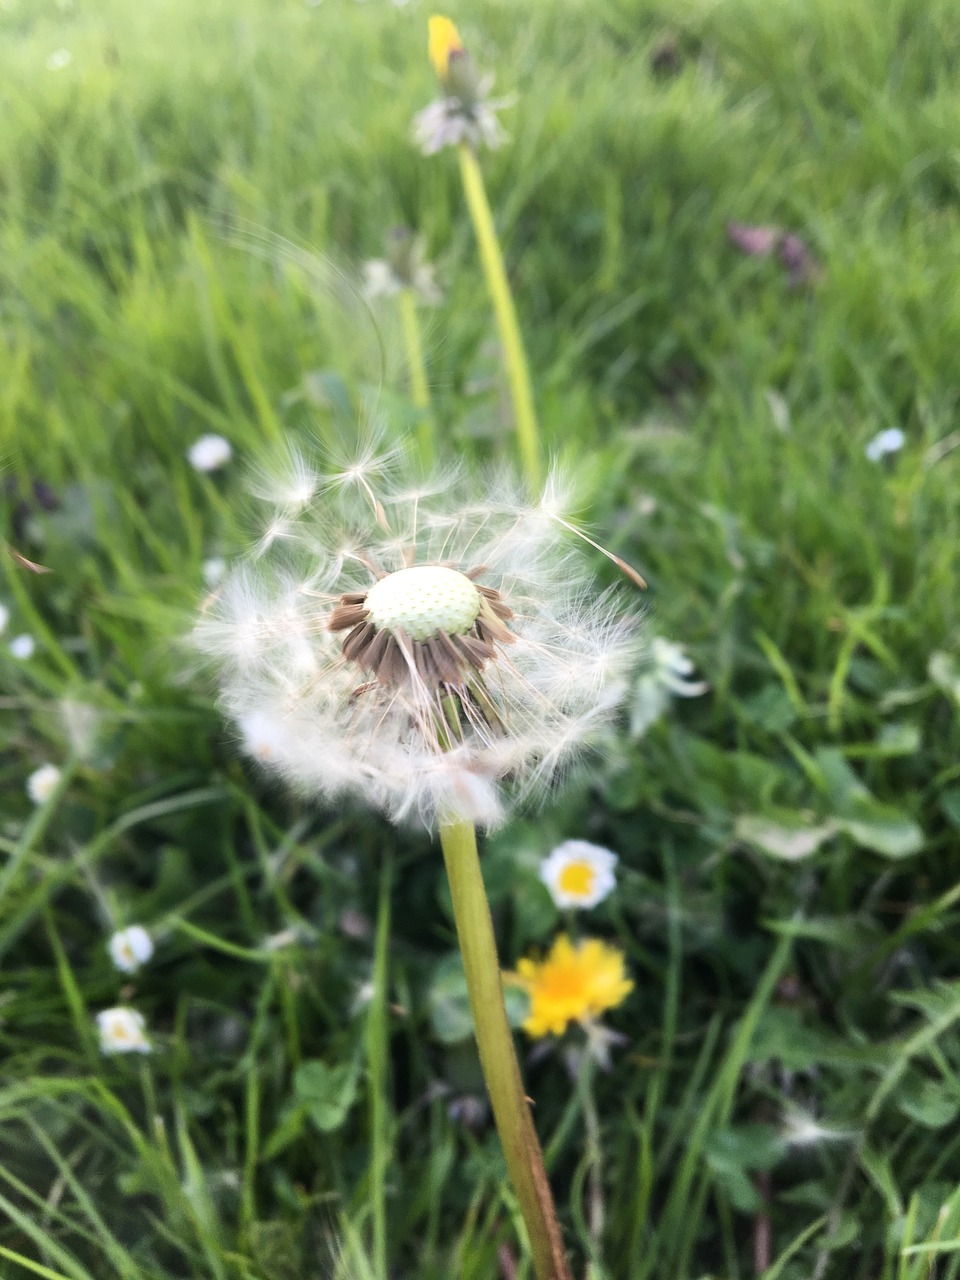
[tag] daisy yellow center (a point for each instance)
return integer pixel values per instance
(120, 1031)
(424, 601)
(577, 878)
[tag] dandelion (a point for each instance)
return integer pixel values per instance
(665, 677)
(891, 440)
(572, 984)
(130, 948)
(122, 1031)
(209, 453)
(441, 658)
(465, 117)
(42, 783)
(433, 656)
(579, 874)
(465, 112)
(22, 647)
(403, 267)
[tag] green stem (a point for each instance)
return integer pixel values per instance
(497, 1055)
(591, 1121)
(419, 390)
(528, 436)
(376, 1037)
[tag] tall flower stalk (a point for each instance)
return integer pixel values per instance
(465, 117)
(405, 274)
(419, 390)
(514, 355)
(437, 654)
(498, 1058)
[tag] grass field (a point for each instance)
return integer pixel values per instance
(174, 181)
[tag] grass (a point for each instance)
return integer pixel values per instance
(162, 196)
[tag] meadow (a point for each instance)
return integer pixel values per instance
(731, 230)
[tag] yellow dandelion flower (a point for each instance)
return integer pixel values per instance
(443, 41)
(572, 984)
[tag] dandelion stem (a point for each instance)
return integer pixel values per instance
(419, 390)
(497, 1055)
(528, 436)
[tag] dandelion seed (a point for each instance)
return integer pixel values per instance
(42, 783)
(579, 874)
(666, 677)
(432, 656)
(800, 1129)
(22, 647)
(571, 984)
(466, 112)
(130, 948)
(59, 59)
(122, 1031)
(891, 440)
(209, 453)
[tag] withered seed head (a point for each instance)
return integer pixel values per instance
(428, 622)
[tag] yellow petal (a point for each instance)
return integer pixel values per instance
(444, 39)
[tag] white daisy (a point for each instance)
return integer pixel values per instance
(122, 1031)
(890, 441)
(22, 647)
(213, 570)
(42, 783)
(427, 652)
(130, 948)
(209, 453)
(579, 874)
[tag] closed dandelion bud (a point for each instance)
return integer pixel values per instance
(443, 45)
(465, 112)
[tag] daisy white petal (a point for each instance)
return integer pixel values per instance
(130, 948)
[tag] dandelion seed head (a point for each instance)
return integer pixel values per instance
(440, 658)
